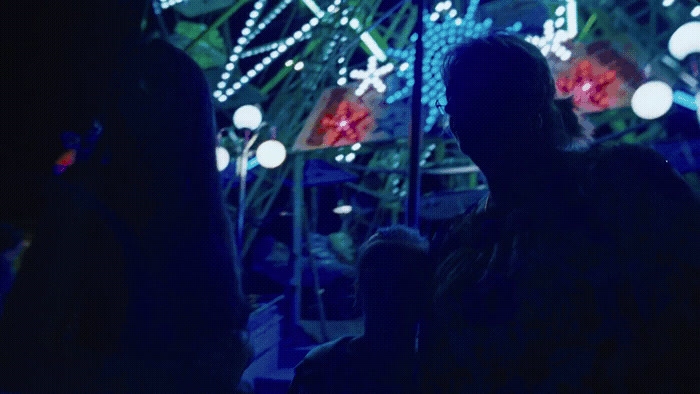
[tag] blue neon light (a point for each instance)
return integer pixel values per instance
(687, 100)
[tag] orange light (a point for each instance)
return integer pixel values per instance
(64, 161)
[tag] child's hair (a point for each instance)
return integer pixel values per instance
(392, 264)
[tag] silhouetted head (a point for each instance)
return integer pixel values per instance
(394, 273)
(98, 34)
(500, 98)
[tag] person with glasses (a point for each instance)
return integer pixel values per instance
(579, 270)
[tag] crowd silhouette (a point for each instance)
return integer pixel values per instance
(577, 272)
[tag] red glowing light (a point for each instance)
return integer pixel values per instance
(67, 158)
(64, 161)
(593, 87)
(349, 124)
(341, 118)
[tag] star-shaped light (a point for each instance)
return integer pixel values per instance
(588, 87)
(275, 50)
(442, 29)
(371, 76)
(348, 125)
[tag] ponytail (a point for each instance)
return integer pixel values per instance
(571, 125)
(568, 133)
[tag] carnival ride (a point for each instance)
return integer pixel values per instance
(334, 80)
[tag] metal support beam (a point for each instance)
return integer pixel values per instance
(416, 136)
(221, 19)
(298, 201)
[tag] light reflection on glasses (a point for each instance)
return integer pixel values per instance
(440, 107)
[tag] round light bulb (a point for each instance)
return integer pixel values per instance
(695, 12)
(222, 158)
(342, 209)
(271, 154)
(684, 40)
(652, 100)
(247, 117)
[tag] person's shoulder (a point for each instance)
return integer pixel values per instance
(630, 154)
(322, 354)
(318, 371)
(632, 159)
(160, 49)
(630, 168)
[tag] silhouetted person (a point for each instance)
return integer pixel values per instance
(579, 270)
(130, 283)
(393, 277)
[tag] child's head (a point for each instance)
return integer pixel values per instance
(394, 274)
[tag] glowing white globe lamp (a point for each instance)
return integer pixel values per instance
(652, 100)
(247, 117)
(222, 158)
(271, 154)
(343, 209)
(685, 40)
